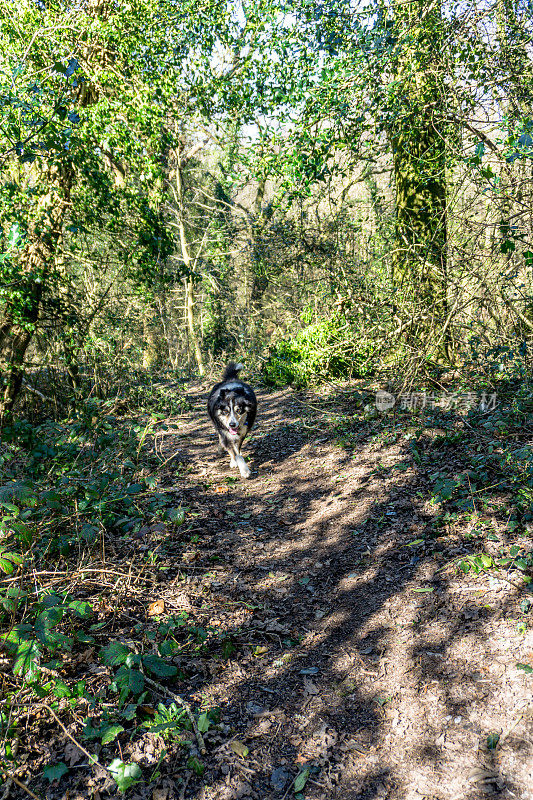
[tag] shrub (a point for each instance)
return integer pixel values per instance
(329, 349)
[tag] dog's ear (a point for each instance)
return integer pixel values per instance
(222, 394)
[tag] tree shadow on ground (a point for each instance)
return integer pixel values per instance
(344, 643)
(327, 543)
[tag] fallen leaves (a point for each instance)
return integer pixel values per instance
(73, 755)
(310, 688)
(156, 608)
(239, 748)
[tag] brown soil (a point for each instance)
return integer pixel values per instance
(358, 655)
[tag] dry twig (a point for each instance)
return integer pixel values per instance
(93, 760)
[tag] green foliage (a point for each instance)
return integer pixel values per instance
(125, 775)
(158, 667)
(39, 113)
(300, 780)
(129, 678)
(289, 229)
(196, 765)
(115, 653)
(9, 561)
(43, 631)
(75, 487)
(54, 772)
(327, 350)
(168, 722)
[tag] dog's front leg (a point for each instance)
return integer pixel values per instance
(244, 469)
(238, 461)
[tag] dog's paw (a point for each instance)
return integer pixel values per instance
(245, 470)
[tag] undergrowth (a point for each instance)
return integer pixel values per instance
(74, 495)
(332, 348)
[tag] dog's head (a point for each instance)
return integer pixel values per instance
(232, 411)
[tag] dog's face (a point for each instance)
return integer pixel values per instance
(232, 411)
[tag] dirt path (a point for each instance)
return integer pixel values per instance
(353, 652)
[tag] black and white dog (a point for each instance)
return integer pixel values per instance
(232, 406)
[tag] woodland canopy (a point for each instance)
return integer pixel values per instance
(327, 190)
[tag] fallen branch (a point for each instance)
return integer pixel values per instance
(39, 394)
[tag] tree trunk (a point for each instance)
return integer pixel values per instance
(189, 312)
(21, 310)
(15, 341)
(259, 282)
(419, 167)
(152, 340)
(188, 263)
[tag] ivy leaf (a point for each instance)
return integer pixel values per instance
(177, 515)
(125, 775)
(301, 780)
(23, 533)
(129, 681)
(48, 619)
(90, 732)
(13, 596)
(18, 491)
(53, 772)
(8, 561)
(204, 722)
(444, 489)
(60, 689)
(110, 733)
(81, 608)
(134, 488)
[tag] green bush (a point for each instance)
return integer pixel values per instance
(328, 349)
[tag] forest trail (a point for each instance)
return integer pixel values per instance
(354, 651)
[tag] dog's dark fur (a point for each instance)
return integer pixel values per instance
(232, 406)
